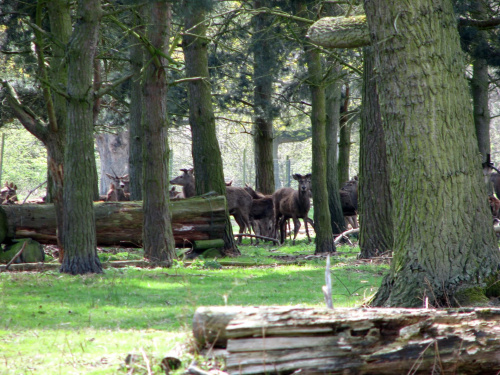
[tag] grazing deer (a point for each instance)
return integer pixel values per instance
(293, 204)
(8, 194)
(239, 202)
(118, 189)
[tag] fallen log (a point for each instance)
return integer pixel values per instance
(279, 339)
(120, 223)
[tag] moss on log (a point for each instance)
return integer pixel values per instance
(340, 32)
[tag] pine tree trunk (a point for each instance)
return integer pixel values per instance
(264, 51)
(205, 147)
(480, 85)
(80, 253)
(344, 140)
(159, 245)
(333, 92)
(60, 27)
(135, 163)
(375, 204)
(322, 221)
(444, 245)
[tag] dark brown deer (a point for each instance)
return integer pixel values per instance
(118, 189)
(349, 201)
(262, 213)
(293, 204)
(186, 180)
(239, 202)
(8, 194)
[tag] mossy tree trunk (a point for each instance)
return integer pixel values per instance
(322, 221)
(375, 203)
(52, 134)
(444, 245)
(158, 239)
(344, 140)
(333, 93)
(265, 55)
(80, 252)
(207, 158)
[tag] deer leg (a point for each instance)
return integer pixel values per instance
(306, 220)
(296, 227)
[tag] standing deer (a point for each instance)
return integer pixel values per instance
(118, 189)
(239, 202)
(262, 213)
(349, 201)
(293, 204)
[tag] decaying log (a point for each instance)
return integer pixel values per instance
(340, 32)
(120, 223)
(279, 339)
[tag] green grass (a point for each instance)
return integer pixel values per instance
(52, 323)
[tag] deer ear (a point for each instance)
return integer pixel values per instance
(296, 176)
(309, 175)
(107, 174)
(126, 176)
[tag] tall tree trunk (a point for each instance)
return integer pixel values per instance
(480, 85)
(322, 222)
(444, 245)
(135, 126)
(333, 92)
(158, 239)
(344, 140)
(60, 26)
(79, 223)
(375, 204)
(207, 158)
(264, 52)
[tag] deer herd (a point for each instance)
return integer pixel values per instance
(266, 215)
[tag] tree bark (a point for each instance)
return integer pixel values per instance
(80, 252)
(159, 245)
(322, 221)
(135, 163)
(480, 85)
(279, 339)
(375, 202)
(207, 158)
(340, 32)
(333, 93)
(265, 55)
(444, 245)
(120, 223)
(344, 139)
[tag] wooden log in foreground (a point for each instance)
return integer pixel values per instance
(278, 339)
(120, 223)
